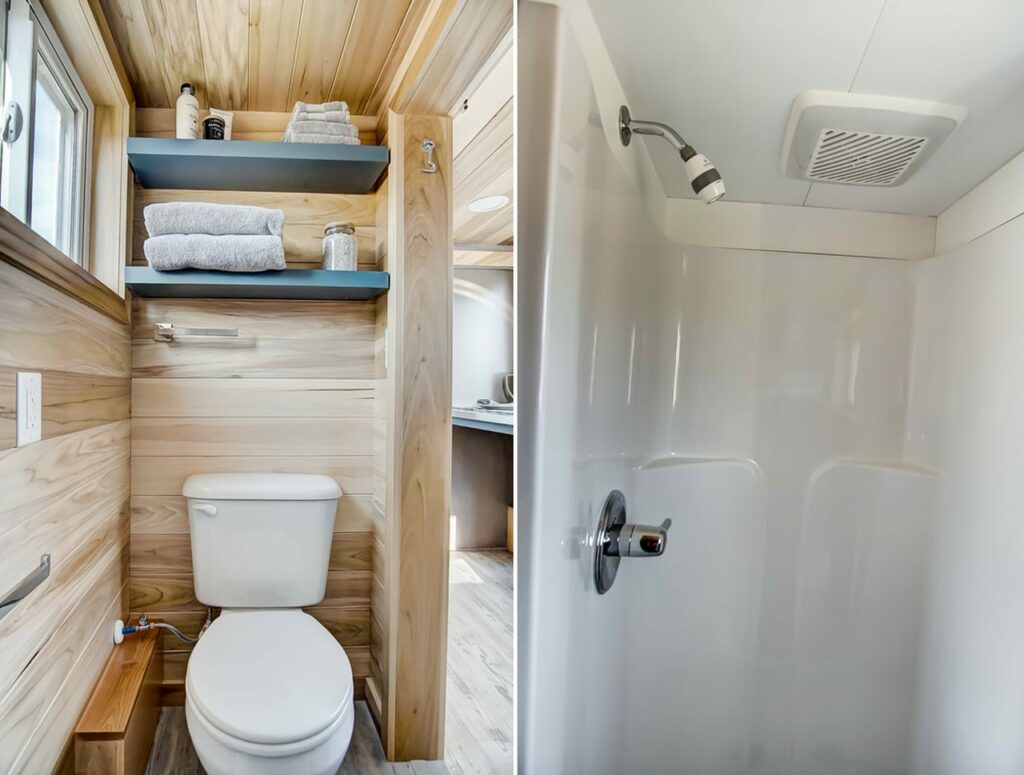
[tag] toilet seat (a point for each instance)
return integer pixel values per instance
(269, 683)
(269, 750)
(224, 755)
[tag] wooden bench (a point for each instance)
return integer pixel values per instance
(116, 731)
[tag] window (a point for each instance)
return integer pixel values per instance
(44, 161)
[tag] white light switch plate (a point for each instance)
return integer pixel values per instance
(30, 407)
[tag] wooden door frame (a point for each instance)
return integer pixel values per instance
(416, 399)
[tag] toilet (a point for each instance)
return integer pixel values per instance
(268, 689)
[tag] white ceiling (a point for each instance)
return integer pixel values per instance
(724, 74)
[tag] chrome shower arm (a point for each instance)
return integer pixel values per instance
(658, 129)
(629, 126)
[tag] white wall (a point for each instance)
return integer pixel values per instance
(967, 421)
(759, 400)
(481, 357)
(481, 334)
(996, 201)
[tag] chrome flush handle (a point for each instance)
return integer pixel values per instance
(617, 538)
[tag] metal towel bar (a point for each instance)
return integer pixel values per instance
(168, 332)
(26, 585)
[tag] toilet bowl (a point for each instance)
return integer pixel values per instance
(268, 689)
(269, 692)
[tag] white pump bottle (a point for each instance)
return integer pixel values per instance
(187, 114)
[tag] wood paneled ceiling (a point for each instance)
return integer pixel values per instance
(413, 55)
(483, 166)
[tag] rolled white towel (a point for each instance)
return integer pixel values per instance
(205, 218)
(229, 253)
(323, 107)
(323, 128)
(331, 117)
(291, 137)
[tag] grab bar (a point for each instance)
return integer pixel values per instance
(25, 586)
(168, 332)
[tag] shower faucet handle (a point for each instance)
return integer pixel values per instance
(616, 538)
(638, 540)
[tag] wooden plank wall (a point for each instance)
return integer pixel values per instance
(267, 126)
(294, 393)
(66, 495)
(305, 218)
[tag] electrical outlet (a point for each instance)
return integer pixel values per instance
(30, 407)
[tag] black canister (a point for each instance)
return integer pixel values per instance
(213, 128)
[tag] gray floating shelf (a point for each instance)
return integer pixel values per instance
(244, 165)
(286, 284)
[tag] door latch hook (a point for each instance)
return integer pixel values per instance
(428, 146)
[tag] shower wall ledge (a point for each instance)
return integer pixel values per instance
(897, 466)
(792, 229)
(670, 460)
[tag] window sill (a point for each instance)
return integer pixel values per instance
(25, 249)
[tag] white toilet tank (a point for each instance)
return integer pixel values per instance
(260, 540)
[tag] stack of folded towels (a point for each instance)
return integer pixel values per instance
(325, 123)
(196, 235)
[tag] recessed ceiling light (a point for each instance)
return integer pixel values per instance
(488, 204)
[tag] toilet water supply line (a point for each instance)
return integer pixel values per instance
(121, 629)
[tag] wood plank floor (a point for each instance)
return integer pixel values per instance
(478, 728)
(479, 716)
(173, 753)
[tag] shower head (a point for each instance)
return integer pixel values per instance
(707, 183)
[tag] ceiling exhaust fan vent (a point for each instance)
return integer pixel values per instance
(863, 140)
(863, 158)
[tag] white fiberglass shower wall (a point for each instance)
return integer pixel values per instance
(762, 400)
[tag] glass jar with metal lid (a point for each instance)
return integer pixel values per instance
(341, 250)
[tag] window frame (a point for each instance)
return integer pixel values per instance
(31, 37)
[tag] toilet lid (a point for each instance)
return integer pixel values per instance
(269, 676)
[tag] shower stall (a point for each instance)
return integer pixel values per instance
(837, 441)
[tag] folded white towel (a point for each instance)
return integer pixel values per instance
(331, 116)
(322, 128)
(231, 253)
(291, 137)
(204, 218)
(323, 107)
